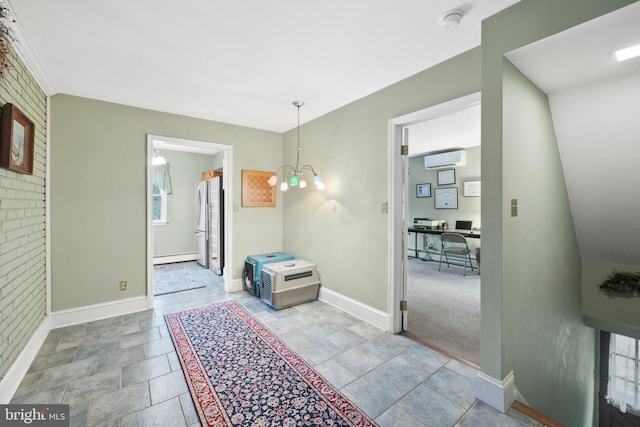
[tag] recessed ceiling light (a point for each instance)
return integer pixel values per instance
(630, 52)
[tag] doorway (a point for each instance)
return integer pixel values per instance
(192, 146)
(402, 191)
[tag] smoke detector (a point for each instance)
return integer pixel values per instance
(451, 19)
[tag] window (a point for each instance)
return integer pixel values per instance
(159, 206)
(623, 373)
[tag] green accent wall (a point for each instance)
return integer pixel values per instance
(342, 229)
(98, 195)
(541, 264)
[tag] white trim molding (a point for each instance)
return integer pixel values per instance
(27, 55)
(236, 286)
(362, 311)
(94, 312)
(18, 370)
(174, 258)
(496, 393)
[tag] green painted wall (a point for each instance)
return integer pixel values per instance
(98, 194)
(541, 275)
(22, 224)
(218, 160)
(342, 228)
(530, 322)
(178, 237)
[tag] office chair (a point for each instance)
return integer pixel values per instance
(455, 244)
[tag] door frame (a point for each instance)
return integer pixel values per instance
(398, 200)
(203, 147)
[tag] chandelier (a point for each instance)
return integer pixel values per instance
(293, 176)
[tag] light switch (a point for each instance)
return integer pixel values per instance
(385, 207)
(514, 207)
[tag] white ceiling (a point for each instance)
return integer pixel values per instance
(583, 54)
(239, 62)
(460, 129)
(595, 103)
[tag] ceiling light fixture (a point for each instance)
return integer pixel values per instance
(628, 53)
(451, 19)
(294, 175)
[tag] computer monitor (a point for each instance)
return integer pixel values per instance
(463, 225)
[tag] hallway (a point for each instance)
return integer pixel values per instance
(124, 371)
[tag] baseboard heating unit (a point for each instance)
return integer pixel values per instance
(288, 283)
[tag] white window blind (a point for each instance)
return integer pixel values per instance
(623, 373)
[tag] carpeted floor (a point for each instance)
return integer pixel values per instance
(444, 308)
(240, 373)
(176, 277)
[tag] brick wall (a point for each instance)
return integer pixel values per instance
(22, 225)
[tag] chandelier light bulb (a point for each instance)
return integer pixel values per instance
(295, 173)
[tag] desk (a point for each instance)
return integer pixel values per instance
(466, 233)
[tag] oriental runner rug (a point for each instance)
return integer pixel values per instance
(240, 374)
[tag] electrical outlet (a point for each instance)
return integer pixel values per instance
(123, 285)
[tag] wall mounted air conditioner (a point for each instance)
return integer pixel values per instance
(445, 159)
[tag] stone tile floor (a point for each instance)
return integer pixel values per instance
(123, 371)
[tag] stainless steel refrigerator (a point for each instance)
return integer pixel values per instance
(209, 224)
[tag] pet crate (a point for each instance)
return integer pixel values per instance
(289, 283)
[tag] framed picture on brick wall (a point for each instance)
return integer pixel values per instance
(16, 140)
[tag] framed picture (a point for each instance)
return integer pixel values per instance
(447, 176)
(423, 190)
(471, 188)
(256, 191)
(16, 140)
(446, 198)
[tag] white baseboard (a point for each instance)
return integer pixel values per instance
(94, 312)
(355, 308)
(174, 258)
(496, 393)
(236, 286)
(18, 370)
